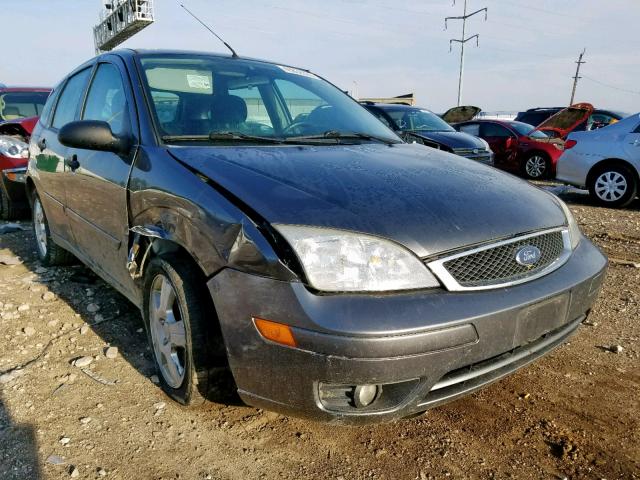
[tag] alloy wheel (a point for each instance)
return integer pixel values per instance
(536, 166)
(40, 227)
(167, 330)
(610, 186)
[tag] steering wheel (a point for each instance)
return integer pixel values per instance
(297, 127)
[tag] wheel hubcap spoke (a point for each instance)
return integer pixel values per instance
(39, 227)
(610, 186)
(168, 333)
(536, 166)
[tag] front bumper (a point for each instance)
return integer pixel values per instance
(13, 185)
(424, 348)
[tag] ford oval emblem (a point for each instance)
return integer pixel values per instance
(528, 256)
(476, 151)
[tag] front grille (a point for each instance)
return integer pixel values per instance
(470, 152)
(498, 265)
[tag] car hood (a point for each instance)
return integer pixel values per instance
(461, 114)
(428, 200)
(563, 122)
(22, 127)
(451, 139)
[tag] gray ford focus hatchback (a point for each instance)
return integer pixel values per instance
(268, 225)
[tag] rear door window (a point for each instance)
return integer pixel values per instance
(494, 130)
(69, 103)
(45, 116)
(471, 129)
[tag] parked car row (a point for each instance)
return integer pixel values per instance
(527, 150)
(265, 222)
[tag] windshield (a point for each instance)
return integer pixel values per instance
(234, 100)
(526, 129)
(15, 105)
(410, 119)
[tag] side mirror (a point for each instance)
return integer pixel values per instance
(93, 135)
(510, 142)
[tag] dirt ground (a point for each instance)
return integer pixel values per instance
(573, 414)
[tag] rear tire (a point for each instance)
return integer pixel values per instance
(613, 186)
(537, 166)
(175, 315)
(49, 252)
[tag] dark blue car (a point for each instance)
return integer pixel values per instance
(268, 225)
(422, 126)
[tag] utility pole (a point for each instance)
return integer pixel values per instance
(577, 77)
(462, 41)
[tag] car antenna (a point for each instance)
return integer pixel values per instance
(233, 52)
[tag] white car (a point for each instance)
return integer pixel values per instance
(606, 161)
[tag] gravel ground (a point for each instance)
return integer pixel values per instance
(573, 414)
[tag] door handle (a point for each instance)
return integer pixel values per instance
(72, 163)
(42, 144)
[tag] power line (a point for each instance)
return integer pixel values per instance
(542, 10)
(462, 41)
(577, 77)
(634, 92)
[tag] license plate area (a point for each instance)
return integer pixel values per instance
(540, 318)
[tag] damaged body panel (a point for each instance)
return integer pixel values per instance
(265, 223)
(14, 139)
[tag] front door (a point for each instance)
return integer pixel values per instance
(97, 184)
(503, 143)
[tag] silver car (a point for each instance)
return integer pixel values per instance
(606, 161)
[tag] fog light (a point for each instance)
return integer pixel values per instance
(365, 395)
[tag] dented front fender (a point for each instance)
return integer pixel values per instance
(171, 202)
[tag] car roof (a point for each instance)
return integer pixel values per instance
(394, 106)
(131, 52)
(24, 89)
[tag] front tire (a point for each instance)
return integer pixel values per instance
(613, 186)
(537, 166)
(175, 316)
(49, 252)
(8, 211)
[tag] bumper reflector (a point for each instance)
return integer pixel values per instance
(276, 332)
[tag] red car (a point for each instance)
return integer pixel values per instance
(19, 111)
(524, 149)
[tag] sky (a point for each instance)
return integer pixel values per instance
(526, 55)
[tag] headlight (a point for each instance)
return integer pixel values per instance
(485, 143)
(574, 230)
(341, 261)
(13, 148)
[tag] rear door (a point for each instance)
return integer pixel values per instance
(49, 154)
(97, 182)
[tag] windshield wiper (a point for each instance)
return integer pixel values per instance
(337, 135)
(221, 137)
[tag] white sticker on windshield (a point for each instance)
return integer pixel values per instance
(297, 71)
(200, 82)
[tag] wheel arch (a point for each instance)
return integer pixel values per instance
(30, 186)
(610, 162)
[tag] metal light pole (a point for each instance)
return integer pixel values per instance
(462, 41)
